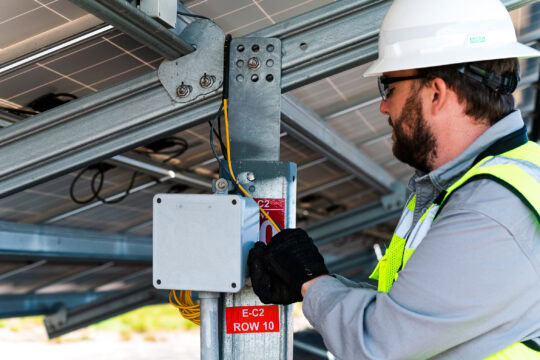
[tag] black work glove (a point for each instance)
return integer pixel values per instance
(268, 286)
(290, 260)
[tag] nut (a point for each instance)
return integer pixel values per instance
(253, 63)
(206, 81)
(183, 90)
(221, 184)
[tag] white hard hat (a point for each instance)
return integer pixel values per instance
(425, 33)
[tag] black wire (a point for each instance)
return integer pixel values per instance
(115, 201)
(192, 15)
(177, 146)
(221, 165)
(226, 65)
(96, 185)
(218, 133)
(72, 187)
(175, 153)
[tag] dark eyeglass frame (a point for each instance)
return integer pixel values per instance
(384, 81)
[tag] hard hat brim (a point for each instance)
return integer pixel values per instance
(513, 50)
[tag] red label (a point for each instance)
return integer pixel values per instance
(252, 319)
(275, 208)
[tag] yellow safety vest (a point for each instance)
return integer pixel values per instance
(510, 170)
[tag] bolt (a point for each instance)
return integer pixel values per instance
(183, 90)
(221, 184)
(250, 176)
(206, 81)
(253, 63)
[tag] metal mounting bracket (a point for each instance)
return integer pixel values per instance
(66, 320)
(56, 320)
(396, 199)
(199, 74)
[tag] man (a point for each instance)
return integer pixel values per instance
(461, 277)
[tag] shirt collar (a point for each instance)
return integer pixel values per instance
(450, 172)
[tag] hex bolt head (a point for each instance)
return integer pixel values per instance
(221, 184)
(250, 176)
(183, 90)
(206, 81)
(253, 63)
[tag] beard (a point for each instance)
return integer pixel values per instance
(417, 146)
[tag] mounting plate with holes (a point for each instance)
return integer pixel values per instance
(201, 242)
(199, 74)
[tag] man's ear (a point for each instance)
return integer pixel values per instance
(438, 95)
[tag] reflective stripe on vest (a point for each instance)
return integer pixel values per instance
(517, 169)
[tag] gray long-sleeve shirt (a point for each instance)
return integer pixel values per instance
(471, 289)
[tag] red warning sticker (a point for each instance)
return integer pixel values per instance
(252, 319)
(276, 210)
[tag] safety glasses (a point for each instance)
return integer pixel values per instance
(384, 82)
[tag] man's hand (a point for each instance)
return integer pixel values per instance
(279, 270)
(268, 286)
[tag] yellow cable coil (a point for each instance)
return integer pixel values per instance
(185, 305)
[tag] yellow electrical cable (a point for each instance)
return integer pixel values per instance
(231, 170)
(185, 305)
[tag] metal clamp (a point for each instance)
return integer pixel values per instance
(199, 74)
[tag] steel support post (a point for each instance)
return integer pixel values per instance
(209, 325)
(254, 116)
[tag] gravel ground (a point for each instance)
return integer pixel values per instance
(32, 344)
(29, 342)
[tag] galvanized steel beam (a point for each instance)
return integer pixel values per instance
(66, 320)
(47, 242)
(349, 107)
(351, 221)
(355, 261)
(130, 114)
(95, 128)
(67, 278)
(304, 124)
(42, 304)
(132, 21)
(153, 168)
(22, 269)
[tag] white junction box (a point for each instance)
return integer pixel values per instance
(201, 242)
(163, 11)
